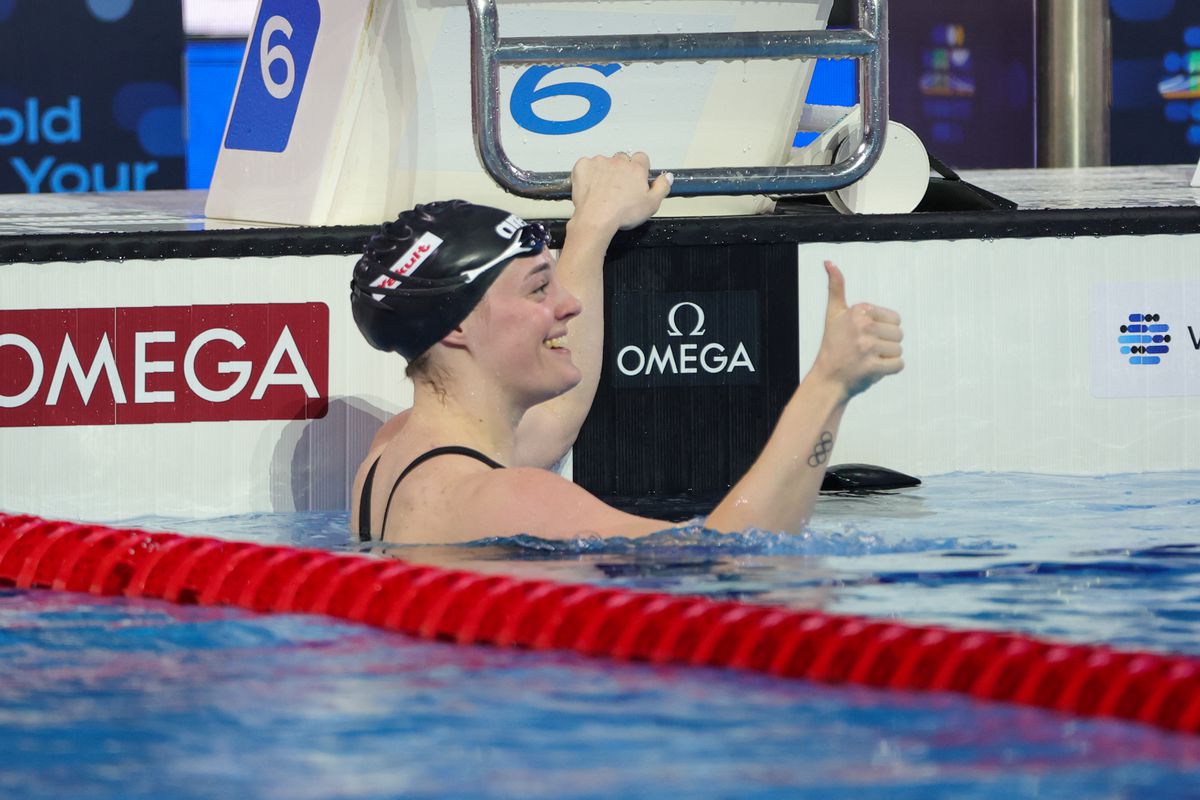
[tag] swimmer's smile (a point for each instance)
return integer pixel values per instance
(557, 344)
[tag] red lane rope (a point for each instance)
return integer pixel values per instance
(453, 605)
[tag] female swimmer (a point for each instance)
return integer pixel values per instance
(504, 342)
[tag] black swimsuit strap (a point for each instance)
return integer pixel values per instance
(364, 505)
(452, 450)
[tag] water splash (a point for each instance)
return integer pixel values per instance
(695, 539)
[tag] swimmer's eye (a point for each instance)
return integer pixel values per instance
(541, 289)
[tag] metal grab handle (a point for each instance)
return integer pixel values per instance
(870, 43)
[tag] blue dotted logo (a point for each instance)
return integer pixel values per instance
(273, 76)
(1145, 339)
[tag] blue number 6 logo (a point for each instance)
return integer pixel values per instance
(526, 93)
(279, 53)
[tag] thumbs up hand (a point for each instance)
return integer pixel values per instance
(861, 342)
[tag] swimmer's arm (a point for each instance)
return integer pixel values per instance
(780, 489)
(547, 431)
(508, 502)
(861, 345)
(777, 493)
(610, 194)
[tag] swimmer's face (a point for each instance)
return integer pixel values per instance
(522, 329)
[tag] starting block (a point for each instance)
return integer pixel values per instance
(349, 111)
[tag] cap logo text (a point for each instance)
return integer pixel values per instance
(509, 227)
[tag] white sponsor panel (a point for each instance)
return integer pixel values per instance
(201, 440)
(1000, 338)
(1145, 339)
(378, 110)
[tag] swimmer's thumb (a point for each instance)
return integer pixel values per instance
(661, 187)
(837, 291)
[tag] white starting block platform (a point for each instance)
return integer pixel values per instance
(349, 111)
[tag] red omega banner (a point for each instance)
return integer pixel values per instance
(126, 366)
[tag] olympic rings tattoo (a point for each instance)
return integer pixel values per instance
(822, 450)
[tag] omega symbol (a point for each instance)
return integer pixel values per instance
(685, 358)
(673, 327)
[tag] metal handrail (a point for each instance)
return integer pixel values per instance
(870, 44)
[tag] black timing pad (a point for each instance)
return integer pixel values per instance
(865, 478)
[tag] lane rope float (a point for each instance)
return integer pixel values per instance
(470, 608)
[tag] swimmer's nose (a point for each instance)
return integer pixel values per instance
(569, 306)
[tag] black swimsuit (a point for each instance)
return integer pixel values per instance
(364, 506)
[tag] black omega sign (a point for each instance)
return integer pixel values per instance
(685, 339)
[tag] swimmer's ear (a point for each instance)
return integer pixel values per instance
(456, 339)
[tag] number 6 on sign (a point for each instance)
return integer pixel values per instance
(529, 91)
(267, 98)
(279, 53)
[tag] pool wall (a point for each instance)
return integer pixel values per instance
(107, 460)
(247, 388)
(1012, 352)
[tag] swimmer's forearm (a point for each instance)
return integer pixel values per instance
(581, 269)
(549, 430)
(779, 491)
(590, 234)
(610, 194)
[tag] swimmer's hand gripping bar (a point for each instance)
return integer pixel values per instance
(870, 44)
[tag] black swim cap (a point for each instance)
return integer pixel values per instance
(422, 274)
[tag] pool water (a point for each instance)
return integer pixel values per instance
(111, 698)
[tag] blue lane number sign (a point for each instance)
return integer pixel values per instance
(276, 65)
(529, 90)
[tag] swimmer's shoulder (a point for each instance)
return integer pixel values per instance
(535, 501)
(432, 504)
(387, 432)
